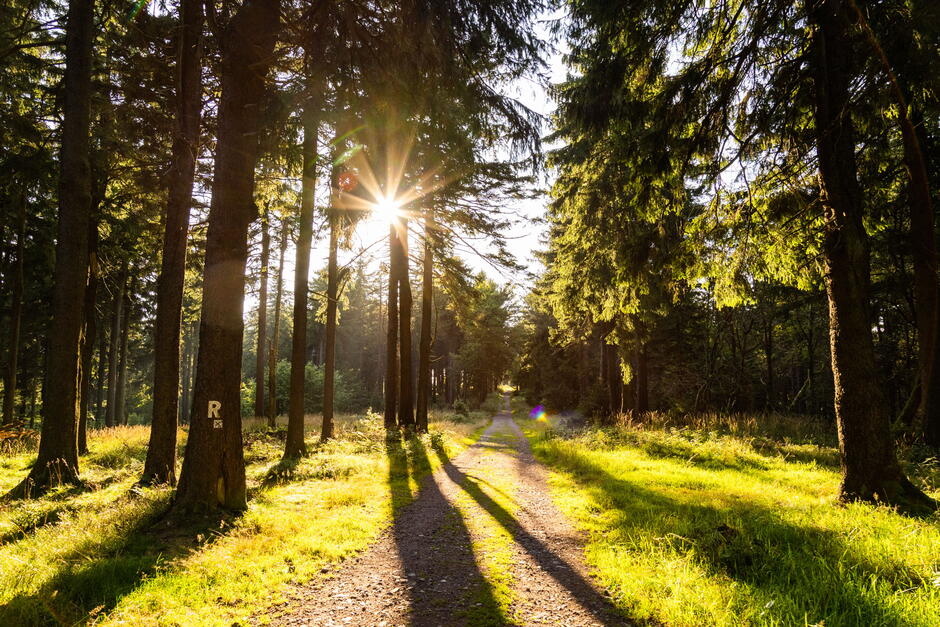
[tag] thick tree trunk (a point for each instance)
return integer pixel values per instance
(16, 313)
(391, 337)
(213, 470)
(329, 361)
(160, 465)
(110, 412)
(870, 467)
(298, 360)
(90, 329)
(406, 416)
(923, 244)
(57, 460)
(120, 405)
(275, 331)
(424, 347)
(261, 352)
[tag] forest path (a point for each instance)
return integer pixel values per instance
(482, 544)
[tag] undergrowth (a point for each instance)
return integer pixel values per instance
(730, 524)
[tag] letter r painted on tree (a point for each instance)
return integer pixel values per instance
(214, 407)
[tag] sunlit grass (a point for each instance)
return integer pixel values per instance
(689, 527)
(104, 554)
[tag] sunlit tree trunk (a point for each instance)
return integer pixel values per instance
(275, 331)
(329, 349)
(120, 405)
(57, 459)
(406, 416)
(294, 446)
(424, 348)
(870, 467)
(90, 329)
(391, 330)
(111, 415)
(213, 470)
(262, 345)
(160, 465)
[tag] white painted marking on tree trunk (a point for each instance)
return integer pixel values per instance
(214, 407)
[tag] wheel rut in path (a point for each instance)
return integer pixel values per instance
(481, 544)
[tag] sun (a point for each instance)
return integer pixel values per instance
(386, 209)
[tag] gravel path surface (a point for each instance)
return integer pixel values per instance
(482, 543)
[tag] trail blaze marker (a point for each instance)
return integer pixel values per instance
(214, 407)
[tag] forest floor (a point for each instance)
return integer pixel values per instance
(482, 544)
(102, 553)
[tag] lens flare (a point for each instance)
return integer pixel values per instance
(538, 413)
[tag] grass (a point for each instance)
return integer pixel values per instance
(718, 524)
(103, 555)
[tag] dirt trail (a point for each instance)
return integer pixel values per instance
(482, 544)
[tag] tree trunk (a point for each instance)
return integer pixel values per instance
(923, 245)
(298, 359)
(329, 361)
(273, 349)
(260, 361)
(424, 347)
(120, 405)
(16, 313)
(57, 460)
(160, 465)
(769, 354)
(642, 403)
(614, 380)
(391, 337)
(187, 378)
(110, 413)
(213, 470)
(406, 416)
(871, 471)
(90, 324)
(101, 378)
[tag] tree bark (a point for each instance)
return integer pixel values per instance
(160, 465)
(295, 446)
(16, 313)
(120, 405)
(870, 467)
(110, 411)
(260, 360)
(406, 416)
(329, 361)
(275, 331)
(213, 470)
(391, 337)
(57, 460)
(923, 244)
(101, 378)
(90, 329)
(642, 379)
(424, 347)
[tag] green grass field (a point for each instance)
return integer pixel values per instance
(715, 525)
(103, 555)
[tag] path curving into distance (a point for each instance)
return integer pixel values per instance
(482, 544)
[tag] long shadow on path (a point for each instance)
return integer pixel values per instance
(444, 583)
(580, 588)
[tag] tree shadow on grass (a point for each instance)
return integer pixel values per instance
(798, 572)
(445, 583)
(90, 581)
(591, 600)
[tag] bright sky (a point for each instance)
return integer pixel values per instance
(524, 236)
